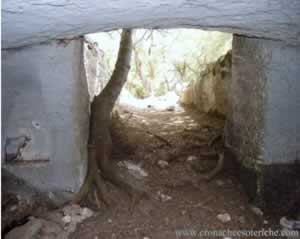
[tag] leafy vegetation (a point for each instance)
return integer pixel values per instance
(164, 60)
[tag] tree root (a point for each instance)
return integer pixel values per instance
(160, 138)
(215, 139)
(112, 173)
(92, 177)
(219, 167)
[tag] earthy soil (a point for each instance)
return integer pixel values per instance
(179, 199)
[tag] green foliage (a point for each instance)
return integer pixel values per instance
(162, 89)
(164, 60)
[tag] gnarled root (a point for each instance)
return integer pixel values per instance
(111, 172)
(219, 167)
(92, 177)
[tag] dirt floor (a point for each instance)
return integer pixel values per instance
(169, 150)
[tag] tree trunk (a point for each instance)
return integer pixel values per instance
(100, 142)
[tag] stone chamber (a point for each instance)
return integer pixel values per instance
(45, 99)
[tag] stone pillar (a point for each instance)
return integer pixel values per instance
(45, 104)
(263, 127)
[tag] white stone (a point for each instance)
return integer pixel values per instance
(86, 212)
(225, 217)
(163, 197)
(257, 211)
(191, 158)
(242, 220)
(162, 163)
(66, 219)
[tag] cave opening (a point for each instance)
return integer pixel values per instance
(168, 125)
(170, 145)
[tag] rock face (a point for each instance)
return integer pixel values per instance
(209, 92)
(263, 117)
(45, 114)
(92, 58)
(96, 72)
(27, 22)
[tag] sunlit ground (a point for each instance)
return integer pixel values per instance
(169, 101)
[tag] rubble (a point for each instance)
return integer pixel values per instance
(163, 197)
(58, 224)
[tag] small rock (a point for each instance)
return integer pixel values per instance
(86, 212)
(13, 208)
(224, 217)
(109, 220)
(266, 222)
(66, 219)
(163, 197)
(191, 158)
(170, 108)
(73, 209)
(242, 220)
(146, 237)
(257, 211)
(220, 183)
(162, 163)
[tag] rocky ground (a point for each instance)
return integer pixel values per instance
(170, 149)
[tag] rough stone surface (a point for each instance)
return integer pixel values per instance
(263, 118)
(45, 98)
(209, 92)
(95, 68)
(27, 22)
(263, 122)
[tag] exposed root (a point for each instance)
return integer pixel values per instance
(215, 139)
(160, 138)
(208, 155)
(122, 179)
(101, 186)
(219, 167)
(97, 199)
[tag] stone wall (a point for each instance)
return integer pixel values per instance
(209, 93)
(263, 117)
(45, 100)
